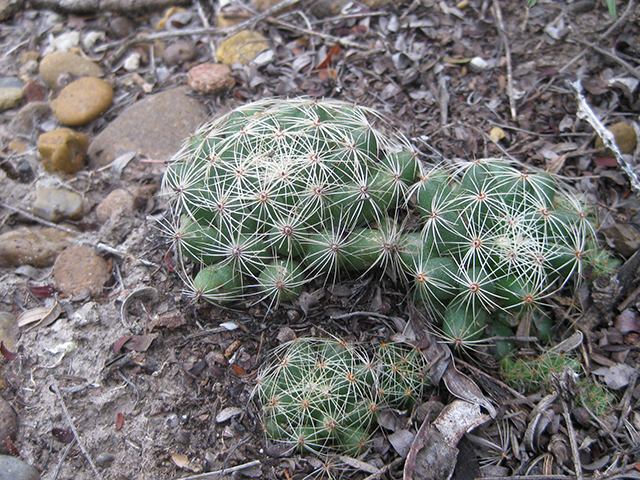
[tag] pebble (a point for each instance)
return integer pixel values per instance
(104, 460)
(32, 246)
(63, 150)
(10, 97)
(8, 426)
(34, 91)
(154, 127)
(179, 52)
(57, 204)
(625, 137)
(29, 117)
(79, 269)
(120, 27)
(210, 78)
(16, 469)
(82, 101)
(242, 47)
(56, 63)
(117, 199)
(9, 330)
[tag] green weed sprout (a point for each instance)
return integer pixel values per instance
(280, 192)
(323, 395)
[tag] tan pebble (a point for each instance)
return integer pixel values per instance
(63, 150)
(78, 269)
(82, 101)
(57, 204)
(35, 247)
(178, 52)
(10, 97)
(56, 63)
(28, 56)
(242, 47)
(625, 136)
(119, 198)
(210, 78)
(9, 330)
(17, 146)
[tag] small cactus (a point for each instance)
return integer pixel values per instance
(322, 395)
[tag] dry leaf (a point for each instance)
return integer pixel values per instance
(182, 461)
(40, 316)
(227, 413)
(458, 418)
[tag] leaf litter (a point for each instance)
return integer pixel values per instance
(440, 72)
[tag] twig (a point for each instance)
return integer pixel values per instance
(443, 100)
(101, 246)
(606, 135)
(359, 314)
(74, 430)
(630, 68)
(385, 469)
(533, 477)
(507, 54)
(625, 403)
(572, 439)
(208, 475)
(63, 457)
(330, 38)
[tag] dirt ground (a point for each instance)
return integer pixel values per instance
(461, 80)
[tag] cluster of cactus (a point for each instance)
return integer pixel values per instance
(277, 193)
(496, 241)
(323, 395)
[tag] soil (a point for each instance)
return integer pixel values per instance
(137, 381)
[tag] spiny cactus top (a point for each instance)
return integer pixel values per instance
(272, 195)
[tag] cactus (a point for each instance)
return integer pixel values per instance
(322, 395)
(279, 193)
(299, 186)
(510, 238)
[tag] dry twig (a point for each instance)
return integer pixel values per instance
(507, 54)
(72, 426)
(585, 110)
(210, 475)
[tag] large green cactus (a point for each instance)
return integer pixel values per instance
(281, 192)
(286, 189)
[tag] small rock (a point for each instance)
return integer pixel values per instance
(326, 8)
(57, 204)
(82, 101)
(8, 8)
(478, 63)
(17, 146)
(154, 127)
(8, 426)
(119, 198)
(30, 246)
(16, 469)
(132, 62)
(29, 56)
(104, 460)
(120, 26)
(210, 78)
(78, 269)
(9, 331)
(10, 97)
(8, 82)
(242, 47)
(63, 150)
(28, 71)
(29, 117)
(56, 63)
(34, 91)
(178, 52)
(625, 137)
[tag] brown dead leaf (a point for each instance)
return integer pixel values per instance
(430, 457)
(140, 343)
(40, 316)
